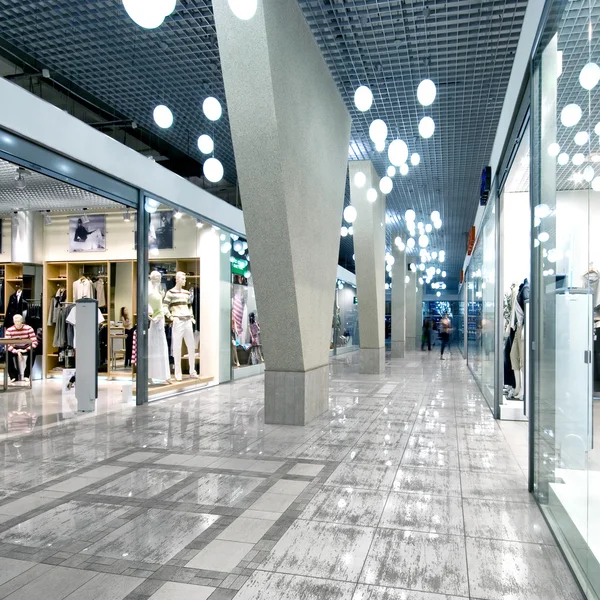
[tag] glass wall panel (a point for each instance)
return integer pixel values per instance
(565, 304)
(344, 325)
(481, 290)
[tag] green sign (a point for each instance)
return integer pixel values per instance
(239, 266)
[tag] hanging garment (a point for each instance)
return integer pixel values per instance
(55, 302)
(100, 295)
(158, 351)
(238, 313)
(82, 288)
(72, 325)
(517, 352)
(509, 376)
(195, 291)
(255, 334)
(17, 305)
(134, 349)
(245, 339)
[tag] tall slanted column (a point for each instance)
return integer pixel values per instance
(290, 131)
(411, 311)
(398, 302)
(369, 250)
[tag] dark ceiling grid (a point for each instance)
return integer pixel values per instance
(468, 49)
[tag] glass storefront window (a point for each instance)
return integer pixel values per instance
(565, 303)
(344, 325)
(481, 302)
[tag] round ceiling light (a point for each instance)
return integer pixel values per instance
(423, 241)
(544, 236)
(243, 9)
(206, 144)
(378, 131)
(435, 215)
(380, 145)
(426, 127)
(350, 214)
(404, 169)
(410, 242)
(553, 149)
(372, 195)
(570, 115)
(581, 138)
(211, 108)
(426, 92)
(148, 14)
(398, 152)
(163, 116)
(386, 185)
(360, 179)
(398, 240)
(391, 171)
(213, 170)
(578, 159)
(415, 159)
(344, 231)
(588, 173)
(542, 211)
(363, 98)
(563, 159)
(596, 184)
(589, 76)
(428, 228)
(410, 215)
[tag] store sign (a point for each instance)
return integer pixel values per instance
(239, 266)
(471, 242)
(355, 300)
(486, 184)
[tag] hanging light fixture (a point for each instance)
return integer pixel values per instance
(398, 152)
(589, 76)
(344, 231)
(386, 185)
(435, 215)
(163, 116)
(206, 144)
(428, 228)
(213, 170)
(149, 14)
(570, 115)
(404, 169)
(563, 159)
(410, 243)
(378, 131)
(553, 149)
(578, 159)
(363, 98)
(391, 171)
(211, 108)
(426, 92)
(581, 138)
(350, 214)
(371, 195)
(410, 216)
(415, 159)
(360, 179)
(423, 241)
(243, 9)
(426, 127)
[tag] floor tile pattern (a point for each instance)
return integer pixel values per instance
(406, 489)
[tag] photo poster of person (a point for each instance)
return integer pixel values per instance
(160, 230)
(87, 233)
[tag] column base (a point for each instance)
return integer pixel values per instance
(411, 342)
(372, 361)
(398, 349)
(296, 398)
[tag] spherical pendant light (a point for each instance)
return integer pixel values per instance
(213, 170)
(415, 159)
(596, 184)
(410, 242)
(349, 214)
(169, 6)
(243, 9)
(588, 173)
(410, 215)
(344, 231)
(553, 149)
(426, 92)
(435, 215)
(371, 195)
(391, 171)
(386, 185)
(206, 144)
(398, 240)
(589, 76)
(378, 131)
(428, 228)
(581, 138)
(350, 230)
(404, 169)
(363, 98)
(423, 241)
(563, 159)
(578, 159)
(148, 14)
(163, 116)
(380, 145)
(426, 127)
(211, 108)
(360, 179)
(570, 115)
(398, 152)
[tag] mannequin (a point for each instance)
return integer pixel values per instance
(18, 355)
(517, 353)
(17, 305)
(179, 306)
(158, 351)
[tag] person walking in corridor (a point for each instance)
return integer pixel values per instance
(426, 335)
(445, 329)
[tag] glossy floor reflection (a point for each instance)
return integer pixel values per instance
(406, 489)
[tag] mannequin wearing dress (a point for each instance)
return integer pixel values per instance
(158, 350)
(179, 306)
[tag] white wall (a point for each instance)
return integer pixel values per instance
(516, 243)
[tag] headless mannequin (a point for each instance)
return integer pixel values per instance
(178, 301)
(158, 352)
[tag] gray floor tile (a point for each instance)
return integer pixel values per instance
(529, 571)
(322, 550)
(245, 529)
(435, 514)
(138, 457)
(432, 458)
(495, 486)
(106, 586)
(217, 488)
(142, 483)
(274, 503)
(371, 592)
(351, 506)
(155, 536)
(277, 586)
(381, 455)
(220, 555)
(413, 560)
(10, 568)
(55, 584)
(427, 481)
(374, 477)
(308, 470)
(182, 591)
(490, 462)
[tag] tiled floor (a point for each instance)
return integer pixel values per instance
(405, 490)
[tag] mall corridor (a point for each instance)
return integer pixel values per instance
(406, 489)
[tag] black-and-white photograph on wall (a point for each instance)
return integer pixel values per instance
(87, 233)
(160, 230)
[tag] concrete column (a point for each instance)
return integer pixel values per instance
(418, 312)
(22, 236)
(369, 249)
(411, 310)
(290, 131)
(398, 301)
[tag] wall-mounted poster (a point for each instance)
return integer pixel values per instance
(89, 236)
(160, 230)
